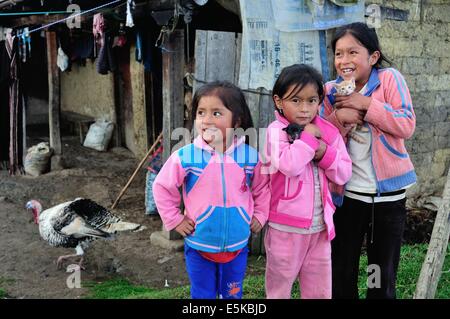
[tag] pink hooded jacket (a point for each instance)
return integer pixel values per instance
(292, 176)
(391, 120)
(221, 194)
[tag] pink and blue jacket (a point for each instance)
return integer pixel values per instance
(292, 176)
(221, 194)
(391, 120)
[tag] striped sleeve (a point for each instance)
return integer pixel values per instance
(396, 115)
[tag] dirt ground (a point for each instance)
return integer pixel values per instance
(27, 263)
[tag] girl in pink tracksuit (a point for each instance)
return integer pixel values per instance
(373, 201)
(301, 167)
(224, 193)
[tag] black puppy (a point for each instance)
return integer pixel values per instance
(293, 131)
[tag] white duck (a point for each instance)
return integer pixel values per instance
(75, 224)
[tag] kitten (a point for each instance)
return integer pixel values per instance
(347, 87)
(293, 130)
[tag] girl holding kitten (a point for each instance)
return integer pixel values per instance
(305, 153)
(374, 198)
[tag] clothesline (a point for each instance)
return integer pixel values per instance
(34, 13)
(72, 16)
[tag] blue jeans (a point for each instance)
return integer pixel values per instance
(210, 280)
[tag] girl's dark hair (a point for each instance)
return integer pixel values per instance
(298, 75)
(231, 96)
(366, 36)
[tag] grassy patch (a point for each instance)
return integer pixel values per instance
(116, 288)
(3, 283)
(410, 265)
(411, 260)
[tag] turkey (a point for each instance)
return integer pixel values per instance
(75, 224)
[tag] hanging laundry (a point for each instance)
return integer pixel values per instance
(98, 28)
(62, 60)
(106, 60)
(27, 40)
(119, 41)
(13, 101)
(24, 43)
(145, 39)
(82, 47)
(130, 6)
(3, 33)
(139, 48)
(186, 9)
(4, 105)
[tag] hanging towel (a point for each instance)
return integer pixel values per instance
(130, 6)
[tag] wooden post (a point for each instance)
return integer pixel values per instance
(432, 266)
(54, 96)
(173, 95)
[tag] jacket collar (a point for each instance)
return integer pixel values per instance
(281, 118)
(372, 84)
(327, 134)
(200, 143)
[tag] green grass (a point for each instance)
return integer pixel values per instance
(410, 264)
(3, 283)
(411, 259)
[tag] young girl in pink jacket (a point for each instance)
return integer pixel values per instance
(224, 194)
(304, 153)
(374, 198)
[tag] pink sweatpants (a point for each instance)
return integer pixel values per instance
(290, 256)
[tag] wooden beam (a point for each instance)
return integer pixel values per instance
(54, 97)
(173, 89)
(34, 20)
(173, 96)
(432, 266)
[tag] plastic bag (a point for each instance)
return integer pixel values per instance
(62, 60)
(99, 135)
(150, 206)
(37, 159)
(153, 168)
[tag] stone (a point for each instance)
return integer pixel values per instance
(442, 156)
(442, 129)
(437, 169)
(414, 65)
(437, 13)
(164, 259)
(158, 239)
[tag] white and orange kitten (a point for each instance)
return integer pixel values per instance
(347, 87)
